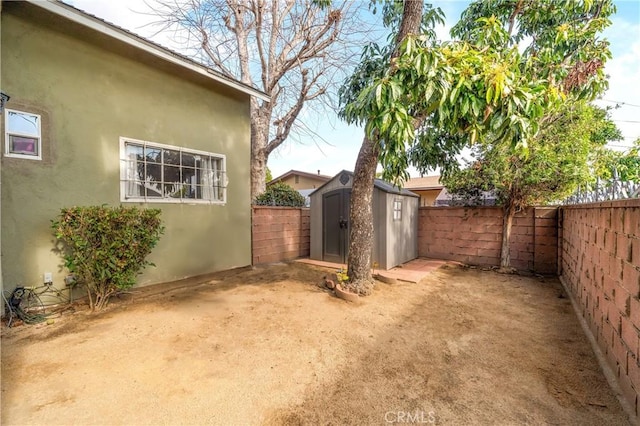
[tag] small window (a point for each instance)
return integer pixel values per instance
(22, 138)
(397, 210)
(153, 172)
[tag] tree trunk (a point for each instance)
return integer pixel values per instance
(411, 18)
(361, 219)
(259, 142)
(361, 214)
(258, 168)
(508, 211)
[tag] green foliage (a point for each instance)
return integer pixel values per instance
(556, 161)
(372, 84)
(626, 164)
(106, 247)
(268, 175)
(280, 194)
(560, 41)
(440, 98)
(486, 85)
(513, 69)
(323, 4)
(606, 131)
(342, 276)
(392, 11)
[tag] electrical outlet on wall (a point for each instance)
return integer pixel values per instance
(48, 277)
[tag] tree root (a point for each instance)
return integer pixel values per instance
(360, 287)
(346, 295)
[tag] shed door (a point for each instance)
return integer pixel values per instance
(335, 225)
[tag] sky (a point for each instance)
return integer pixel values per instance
(338, 148)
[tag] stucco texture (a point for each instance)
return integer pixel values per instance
(91, 91)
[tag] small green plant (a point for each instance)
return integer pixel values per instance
(106, 247)
(280, 194)
(342, 276)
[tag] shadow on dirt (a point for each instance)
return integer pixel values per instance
(482, 349)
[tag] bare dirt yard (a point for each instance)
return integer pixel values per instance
(269, 346)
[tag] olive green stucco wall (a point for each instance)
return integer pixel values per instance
(90, 92)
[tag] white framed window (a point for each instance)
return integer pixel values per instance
(156, 173)
(397, 209)
(22, 135)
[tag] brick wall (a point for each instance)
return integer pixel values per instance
(600, 264)
(279, 233)
(473, 235)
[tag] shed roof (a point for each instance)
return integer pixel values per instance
(392, 189)
(377, 183)
(101, 26)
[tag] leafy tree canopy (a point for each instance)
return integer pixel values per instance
(557, 161)
(510, 67)
(624, 164)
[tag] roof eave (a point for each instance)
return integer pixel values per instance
(376, 184)
(300, 173)
(423, 188)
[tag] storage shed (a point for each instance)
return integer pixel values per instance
(395, 222)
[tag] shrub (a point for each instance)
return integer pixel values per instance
(106, 247)
(280, 194)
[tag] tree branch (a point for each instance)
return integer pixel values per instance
(313, 45)
(284, 124)
(512, 18)
(214, 56)
(241, 32)
(257, 10)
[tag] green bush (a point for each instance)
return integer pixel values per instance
(106, 247)
(280, 194)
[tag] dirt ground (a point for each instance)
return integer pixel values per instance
(269, 346)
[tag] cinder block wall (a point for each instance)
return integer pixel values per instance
(279, 233)
(473, 235)
(600, 264)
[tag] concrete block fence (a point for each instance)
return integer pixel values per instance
(470, 235)
(600, 265)
(473, 235)
(280, 233)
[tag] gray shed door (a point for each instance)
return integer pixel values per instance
(335, 225)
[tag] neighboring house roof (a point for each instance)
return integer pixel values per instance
(424, 183)
(377, 183)
(108, 29)
(316, 176)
